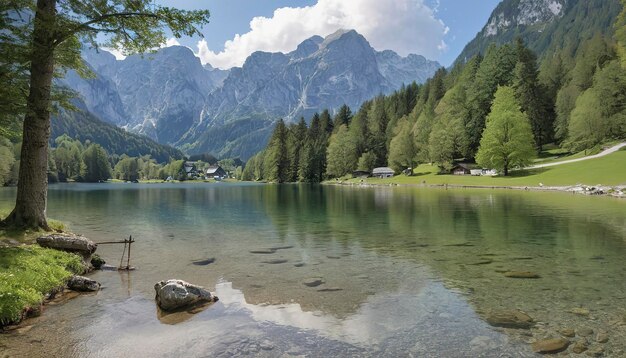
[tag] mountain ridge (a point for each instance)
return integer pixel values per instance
(172, 98)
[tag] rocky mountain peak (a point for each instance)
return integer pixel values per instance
(523, 12)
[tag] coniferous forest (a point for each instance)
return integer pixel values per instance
(572, 96)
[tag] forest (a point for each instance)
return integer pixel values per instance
(72, 160)
(498, 110)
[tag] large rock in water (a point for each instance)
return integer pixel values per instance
(177, 294)
(510, 319)
(71, 243)
(82, 284)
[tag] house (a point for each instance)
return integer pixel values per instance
(216, 172)
(461, 169)
(383, 172)
(360, 174)
(190, 169)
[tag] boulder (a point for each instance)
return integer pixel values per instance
(553, 345)
(70, 243)
(178, 294)
(510, 319)
(83, 284)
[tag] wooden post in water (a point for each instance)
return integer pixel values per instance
(128, 242)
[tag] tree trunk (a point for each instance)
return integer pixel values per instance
(32, 186)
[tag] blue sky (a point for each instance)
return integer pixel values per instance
(437, 29)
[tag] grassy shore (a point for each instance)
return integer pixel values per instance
(608, 170)
(28, 272)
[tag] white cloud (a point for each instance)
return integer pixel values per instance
(171, 42)
(115, 52)
(119, 55)
(405, 26)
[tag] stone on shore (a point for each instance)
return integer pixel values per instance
(70, 243)
(178, 294)
(83, 284)
(554, 345)
(510, 319)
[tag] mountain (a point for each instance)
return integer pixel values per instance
(170, 97)
(84, 125)
(544, 25)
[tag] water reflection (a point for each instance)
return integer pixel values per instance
(404, 270)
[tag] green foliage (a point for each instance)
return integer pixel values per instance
(402, 150)
(343, 117)
(620, 34)
(27, 273)
(96, 164)
(85, 127)
(367, 162)
(448, 139)
(127, 169)
(507, 141)
(341, 153)
(445, 118)
(296, 137)
(532, 96)
(496, 69)
(276, 161)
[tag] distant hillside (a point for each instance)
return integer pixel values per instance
(544, 25)
(85, 126)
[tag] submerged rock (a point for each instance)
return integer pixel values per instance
(521, 274)
(554, 345)
(313, 282)
(580, 346)
(177, 294)
(584, 332)
(596, 351)
(204, 262)
(83, 284)
(580, 311)
(510, 319)
(602, 337)
(567, 332)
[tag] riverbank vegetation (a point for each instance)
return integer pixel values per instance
(27, 274)
(608, 170)
(573, 97)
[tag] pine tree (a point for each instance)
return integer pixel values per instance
(507, 141)
(343, 117)
(377, 120)
(51, 39)
(276, 163)
(295, 143)
(531, 96)
(496, 69)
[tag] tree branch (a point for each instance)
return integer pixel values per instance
(101, 18)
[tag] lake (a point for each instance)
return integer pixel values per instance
(392, 271)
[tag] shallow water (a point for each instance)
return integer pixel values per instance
(406, 271)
